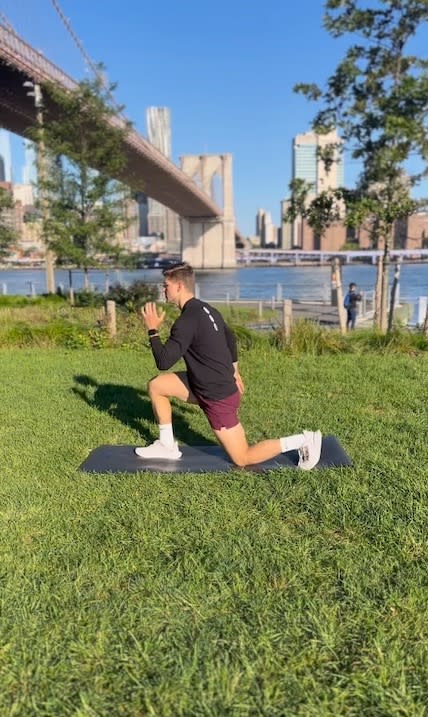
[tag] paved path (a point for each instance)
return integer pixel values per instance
(323, 314)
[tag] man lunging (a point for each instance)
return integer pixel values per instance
(202, 338)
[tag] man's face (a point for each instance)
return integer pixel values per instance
(172, 290)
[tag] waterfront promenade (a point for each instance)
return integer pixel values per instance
(308, 286)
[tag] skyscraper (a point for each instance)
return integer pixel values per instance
(29, 171)
(162, 220)
(266, 229)
(309, 166)
(5, 157)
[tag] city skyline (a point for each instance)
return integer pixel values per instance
(225, 73)
(6, 169)
(160, 219)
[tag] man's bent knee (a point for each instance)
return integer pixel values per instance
(152, 386)
(239, 462)
(167, 385)
(235, 444)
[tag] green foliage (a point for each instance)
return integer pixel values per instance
(134, 296)
(47, 300)
(397, 341)
(247, 338)
(377, 98)
(84, 209)
(7, 235)
(51, 321)
(308, 337)
(57, 333)
(88, 298)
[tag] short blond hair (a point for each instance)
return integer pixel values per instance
(181, 272)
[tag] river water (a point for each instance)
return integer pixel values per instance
(303, 283)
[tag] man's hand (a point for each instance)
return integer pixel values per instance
(238, 379)
(150, 316)
(239, 382)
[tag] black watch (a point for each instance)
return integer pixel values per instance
(152, 332)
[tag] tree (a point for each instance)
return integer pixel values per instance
(7, 235)
(378, 99)
(84, 208)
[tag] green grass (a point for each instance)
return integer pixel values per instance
(54, 323)
(218, 594)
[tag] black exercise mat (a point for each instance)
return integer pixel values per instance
(202, 459)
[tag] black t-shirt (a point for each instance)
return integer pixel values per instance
(208, 347)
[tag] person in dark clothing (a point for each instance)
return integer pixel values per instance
(350, 303)
(212, 379)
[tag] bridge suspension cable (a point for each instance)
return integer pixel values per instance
(4, 20)
(89, 62)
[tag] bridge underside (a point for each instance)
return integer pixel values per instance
(147, 170)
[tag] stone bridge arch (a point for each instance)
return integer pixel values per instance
(209, 242)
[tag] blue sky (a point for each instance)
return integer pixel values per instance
(226, 70)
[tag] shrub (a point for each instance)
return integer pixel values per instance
(18, 301)
(308, 337)
(395, 341)
(88, 298)
(247, 338)
(132, 297)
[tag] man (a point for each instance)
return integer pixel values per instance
(350, 303)
(212, 380)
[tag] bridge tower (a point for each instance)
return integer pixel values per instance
(209, 242)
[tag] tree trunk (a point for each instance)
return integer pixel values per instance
(42, 177)
(383, 324)
(341, 311)
(385, 289)
(425, 327)
(394, 293)
(378, 293)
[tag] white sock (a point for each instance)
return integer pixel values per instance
(166, 435)
(292, 443)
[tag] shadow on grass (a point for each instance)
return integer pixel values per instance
(131, 406)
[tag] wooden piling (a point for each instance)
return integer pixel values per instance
(111, 318)
(287, 317)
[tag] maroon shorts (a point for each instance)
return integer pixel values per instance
(222, 413)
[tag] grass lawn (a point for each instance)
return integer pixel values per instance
(213, 595)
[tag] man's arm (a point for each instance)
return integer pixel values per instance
(231, 342)
(167, 354)
(238, 378)
(233, 348)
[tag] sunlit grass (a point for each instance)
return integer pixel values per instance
(216, 594)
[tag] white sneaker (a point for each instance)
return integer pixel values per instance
(310, 452)
(158, 450)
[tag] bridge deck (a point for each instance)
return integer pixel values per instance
(147, 169)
